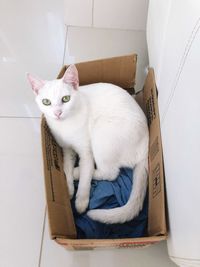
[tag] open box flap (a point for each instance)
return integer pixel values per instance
(120, 71)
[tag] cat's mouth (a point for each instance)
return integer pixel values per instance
(58, 115)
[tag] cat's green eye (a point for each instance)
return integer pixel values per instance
(46, 102)
(66, 98)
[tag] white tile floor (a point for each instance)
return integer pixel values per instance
(32, 38)
(22, 199)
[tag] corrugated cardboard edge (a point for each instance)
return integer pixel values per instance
(120, 71)
(89, 244)
(157, 209)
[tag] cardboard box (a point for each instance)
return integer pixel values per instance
(120, 71)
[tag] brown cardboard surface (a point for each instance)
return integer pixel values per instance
(117, 70)
(61, 221)
(77, 244)
(157, 218)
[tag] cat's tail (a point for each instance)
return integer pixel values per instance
(135, 203)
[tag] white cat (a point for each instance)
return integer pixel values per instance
(103, 124)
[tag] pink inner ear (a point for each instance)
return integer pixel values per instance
(71, 76)
(36, 83)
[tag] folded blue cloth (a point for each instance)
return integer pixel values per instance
(107, 195)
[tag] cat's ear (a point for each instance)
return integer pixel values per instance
(36, 83)
(71, 76)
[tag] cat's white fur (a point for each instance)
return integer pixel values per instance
(102, 123)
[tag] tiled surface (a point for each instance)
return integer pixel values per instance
(21, 192)
(54, 255)
(118, 14)
(89, 44)
(32, 35)
(78, 12)
(114, 14)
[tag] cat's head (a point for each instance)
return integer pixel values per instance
(56, 98)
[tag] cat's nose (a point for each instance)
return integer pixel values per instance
(58, 113)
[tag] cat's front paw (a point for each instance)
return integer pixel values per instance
(81, 204)
(70, 187)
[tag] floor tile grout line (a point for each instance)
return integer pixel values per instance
(42, 237)
(92, 13)
(65, 44)
(106, 29)
(18, 117)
